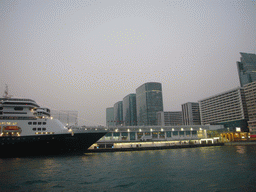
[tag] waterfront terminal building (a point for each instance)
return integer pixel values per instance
(152, 136)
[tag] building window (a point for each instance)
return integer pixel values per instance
(132, 136)
(175, 133)
(168, 133)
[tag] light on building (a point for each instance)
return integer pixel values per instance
(238, 129)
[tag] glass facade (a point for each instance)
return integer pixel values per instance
(129, 110)
(149, 102)
(247, 68)
(110, 116)
(118, 113)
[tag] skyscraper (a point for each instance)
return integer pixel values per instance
(110, 116)
(129, 110)
(247, 68)
(149, 101)
(190, 114)
(118, 113)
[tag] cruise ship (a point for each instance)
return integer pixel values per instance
(28, 129)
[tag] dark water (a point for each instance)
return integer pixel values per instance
(225, 168)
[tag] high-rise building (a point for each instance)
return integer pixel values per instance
(149, 101)
(110, 116)
(169, 118)
(129, 110)
(118, 113)
(250, 97)
(247, 68)
(228, 109)
(190, 113)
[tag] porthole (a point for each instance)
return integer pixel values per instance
(44, 129)
(34, 123)
(30, 123)
(39, 129)
(44, 123)
(39, 123)
(34, 129)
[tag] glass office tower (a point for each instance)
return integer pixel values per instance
(110, 116)
(149, 101)
(129, 110)
(118, 113)
(247, 68)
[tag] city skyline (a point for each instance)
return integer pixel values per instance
(87, 55)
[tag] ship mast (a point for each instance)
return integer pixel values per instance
(6, 92)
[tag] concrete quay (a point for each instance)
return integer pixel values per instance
(151, 148)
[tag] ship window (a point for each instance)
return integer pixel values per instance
(39, 123)
(30, 123)
(18, 108)
(1, 113)
(34, 123)
(44, 129)
(34, 129)
(1, 108)
(39, 129)
(44, 123)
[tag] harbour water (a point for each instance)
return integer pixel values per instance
(221, 168)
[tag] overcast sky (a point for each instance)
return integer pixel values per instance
(87, 55)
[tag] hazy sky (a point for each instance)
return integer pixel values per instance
(87, 55)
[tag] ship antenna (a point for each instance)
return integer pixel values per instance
(6, 92)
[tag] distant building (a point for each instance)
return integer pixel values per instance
(149, 101)
(129, 110)
(110, 116)
(250, 96)
(169, 118)
(228, 109)
(247, 68)
(118, 113)
(66, 117)
(190, 113)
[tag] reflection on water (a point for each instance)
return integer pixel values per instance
(240, 149)
(227, 168)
